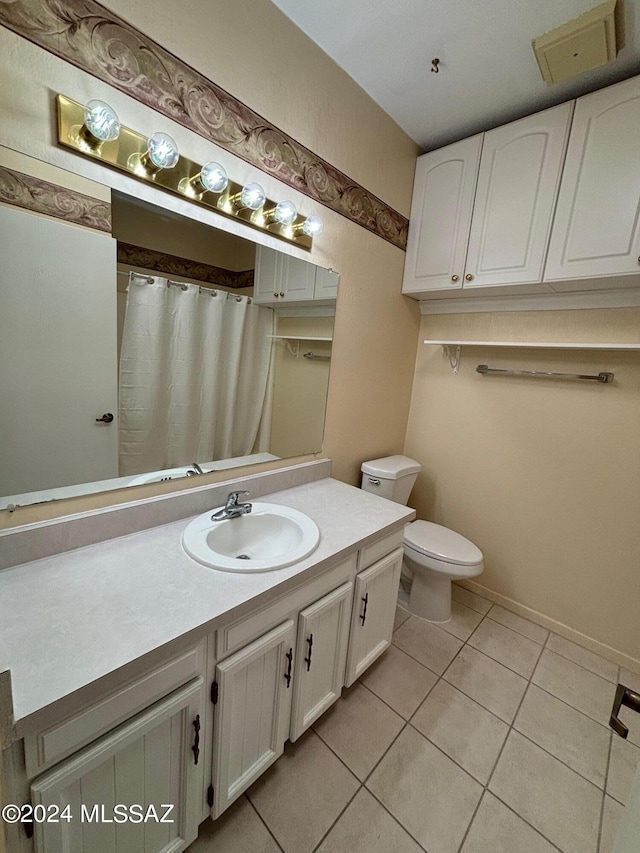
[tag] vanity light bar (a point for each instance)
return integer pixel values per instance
(129, 152)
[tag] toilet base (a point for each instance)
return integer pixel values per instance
(430, 596)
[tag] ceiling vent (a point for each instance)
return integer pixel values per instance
(586, 42)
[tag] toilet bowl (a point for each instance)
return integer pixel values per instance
(433, 555)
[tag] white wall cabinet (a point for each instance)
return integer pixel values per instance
(443, 193)
(374, 601)
(149, 761)
(281, 278)
(596, 232)
(253, 710)
(323, 634)
(488, 225)
(518, 182)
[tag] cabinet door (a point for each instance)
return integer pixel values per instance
(253, 712)
(596, 232)
(374, 605)
(323, 633)
(149, 761)
(268, 276)
(326, 286)
(518, 183)
(443, 192)
(299, 279)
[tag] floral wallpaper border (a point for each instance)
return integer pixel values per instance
(96, 40)
(150, 259)
(50, 199)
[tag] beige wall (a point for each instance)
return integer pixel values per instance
(543, 475)
(375, 328)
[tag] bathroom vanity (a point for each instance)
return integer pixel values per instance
(140, 677)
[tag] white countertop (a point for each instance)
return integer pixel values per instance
(75, 617)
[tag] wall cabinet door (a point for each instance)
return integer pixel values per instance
(149, 761)
(518, 182)
(252, 714)
(443, 193)
(326, 286)
(268, 276)
(323, 633)
(374, 604)
(282, 278)
(596, 232)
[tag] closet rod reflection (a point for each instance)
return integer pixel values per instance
(543, 374)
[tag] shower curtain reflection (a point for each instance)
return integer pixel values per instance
(194, 367)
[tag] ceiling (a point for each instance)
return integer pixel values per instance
(488, 73)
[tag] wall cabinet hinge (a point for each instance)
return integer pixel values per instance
(214, 692)
(210, 793)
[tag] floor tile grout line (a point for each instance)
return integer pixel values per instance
(524, 820)
(515, 630)
(550, 633)
(604, 792)
(404, 719)
(263, 821)
(564, 763)
(569, 705)
(404, 828)
(585, 668)
(363, 785)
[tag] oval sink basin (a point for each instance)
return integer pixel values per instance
(269, 537)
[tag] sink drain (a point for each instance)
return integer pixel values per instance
(243, 557)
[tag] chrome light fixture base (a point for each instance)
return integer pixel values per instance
(128, 153)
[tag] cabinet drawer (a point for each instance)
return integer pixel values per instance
(46, 748)
(380, 548)
(248, 627)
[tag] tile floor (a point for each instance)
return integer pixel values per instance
(484, 735)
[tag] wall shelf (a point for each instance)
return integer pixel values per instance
(537, 345)
(299, 338)
(454, 360)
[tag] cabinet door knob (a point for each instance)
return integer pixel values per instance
(281, 293)
(455, 278)
(276, 295)
(469, 277)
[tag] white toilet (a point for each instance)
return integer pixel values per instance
(433, 555)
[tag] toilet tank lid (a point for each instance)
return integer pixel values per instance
(433, 540)
(391, 467)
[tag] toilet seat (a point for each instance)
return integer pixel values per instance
(441, 544)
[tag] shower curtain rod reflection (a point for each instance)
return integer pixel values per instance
(183, 285)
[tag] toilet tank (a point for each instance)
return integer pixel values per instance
(391, 477)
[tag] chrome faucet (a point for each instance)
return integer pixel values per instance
(232, 508)
(195, 469)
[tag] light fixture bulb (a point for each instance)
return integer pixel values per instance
(285, 213)
(312, 226)
(162, 151)
(213, 177)
(101, 121)
(252, 196)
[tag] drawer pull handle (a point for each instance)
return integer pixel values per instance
(287, 675)
(364, 611)
(308, 660)
(196, 743)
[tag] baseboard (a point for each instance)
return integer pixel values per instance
(560, 628)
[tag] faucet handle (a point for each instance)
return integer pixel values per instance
(233, 497)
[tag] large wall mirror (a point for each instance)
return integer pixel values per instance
(172, 348)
